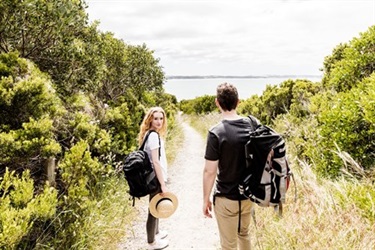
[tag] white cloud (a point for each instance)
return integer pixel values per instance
(234, 36)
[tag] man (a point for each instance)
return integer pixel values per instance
(225, 162)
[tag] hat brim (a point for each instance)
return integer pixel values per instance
(157, 198)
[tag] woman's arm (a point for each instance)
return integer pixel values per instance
(158, 171)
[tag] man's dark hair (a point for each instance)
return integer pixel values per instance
(227, 96)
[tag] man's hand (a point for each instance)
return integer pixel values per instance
(209, 176)
(207, 209)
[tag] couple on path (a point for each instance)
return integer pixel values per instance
(224, 162)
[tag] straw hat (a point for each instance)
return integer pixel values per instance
(163, 206)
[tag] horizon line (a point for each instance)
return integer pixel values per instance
(239, 76)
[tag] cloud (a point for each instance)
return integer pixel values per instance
(236, 37)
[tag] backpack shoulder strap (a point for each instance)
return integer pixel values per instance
(144, 140)
(146, 137)
(254, 122)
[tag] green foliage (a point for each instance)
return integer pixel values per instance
(302, 92)
(290, 96)
(200, 105)
(123, 125)
(276, 100)
(251, 105)
(46, 33)
(142, 71)
(29, 94)
(29, 135)
(346, 123)
(112, 213)
(330, 61)
(12, 67)
(80, 174)
(21, 209)
(77, 64)
(361, 195)
(350, 63)
(34, 27)
(84, 110)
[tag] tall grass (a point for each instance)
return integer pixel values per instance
(327, 214)
(202, 123)
(108, 219)
(175, 139)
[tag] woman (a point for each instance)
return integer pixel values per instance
(155, 121)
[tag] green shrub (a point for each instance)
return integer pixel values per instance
(123, 125)
(290, 96)
(200, 105)
(22, 208)
(28, 107)
(346, 123)
(29, 94)
(80, 175)
(350, 63)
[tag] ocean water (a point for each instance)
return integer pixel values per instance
(185, 89)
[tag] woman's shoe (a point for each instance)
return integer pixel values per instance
(161, 235)
(158, 244)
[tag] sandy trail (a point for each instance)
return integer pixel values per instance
(187, 227)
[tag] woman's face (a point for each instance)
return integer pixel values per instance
(157, 121)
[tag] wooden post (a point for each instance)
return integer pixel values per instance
(51, 167)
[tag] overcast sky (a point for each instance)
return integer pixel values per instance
(236, 37)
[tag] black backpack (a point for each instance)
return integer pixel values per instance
(139, 171)
(267, 174)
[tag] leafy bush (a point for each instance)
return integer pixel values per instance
(22, 208)
(346, 123)
(24, 91)
(85, 113)
(123, 124)
(290, 96)
(350, 63)
(80, 175)
(27, 138)
(200, 105)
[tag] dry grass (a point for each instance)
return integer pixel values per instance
(175, 140)
(319, 219)
(202, 123)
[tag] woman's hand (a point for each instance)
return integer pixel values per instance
(164, 189)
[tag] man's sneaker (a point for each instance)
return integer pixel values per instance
(158, 244)
(161, 235)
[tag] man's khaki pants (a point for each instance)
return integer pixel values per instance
(226, 213)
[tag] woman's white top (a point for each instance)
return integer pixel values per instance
(153, 143)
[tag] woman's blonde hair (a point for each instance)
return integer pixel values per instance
(146, 123)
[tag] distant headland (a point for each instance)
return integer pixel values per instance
(241, 77)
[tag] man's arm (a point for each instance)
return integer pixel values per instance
(209, 176)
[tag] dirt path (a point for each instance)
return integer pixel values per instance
(187, 227)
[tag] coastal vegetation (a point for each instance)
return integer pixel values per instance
(329, 127)
(325, 120)
(71, 101)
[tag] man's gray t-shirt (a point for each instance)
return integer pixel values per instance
(226, 143)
